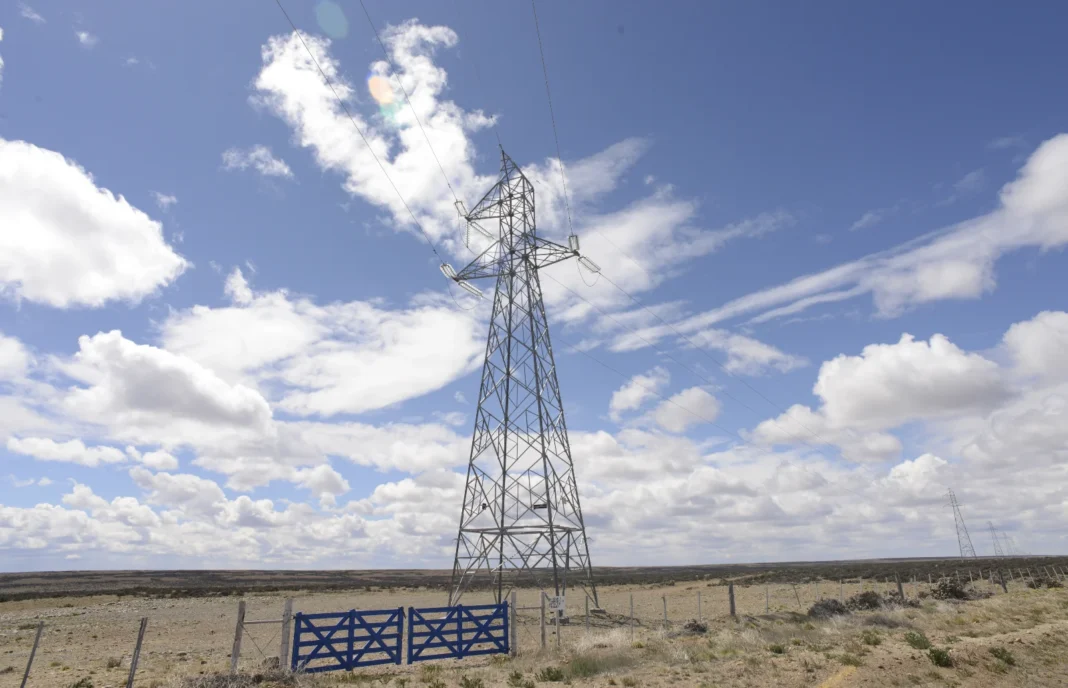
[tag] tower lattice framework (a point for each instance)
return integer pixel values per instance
(521, 521)
(963, 539)
(998, 551)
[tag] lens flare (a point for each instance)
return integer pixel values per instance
(380, 90)
(332, 19)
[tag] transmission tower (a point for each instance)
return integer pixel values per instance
(963, 539)
(998, 551)
(521, 521)
(1010, 543)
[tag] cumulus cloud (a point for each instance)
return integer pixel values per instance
(66, 242)
(71, 451)
(1039, 346)
(259, 158)
(693, 406)
(638, 390)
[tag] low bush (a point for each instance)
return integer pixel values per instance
(550, 675)
(695, 627)
(825, 609)
(917, 640)
(850, 660)
(870, 638)
(949, 589)
(113, 663)
(466, 682)
(1003, 655)
(777, 649)
(82, 683)
(867, 600)
(940, 657)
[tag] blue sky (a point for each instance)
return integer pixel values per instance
(793, 188)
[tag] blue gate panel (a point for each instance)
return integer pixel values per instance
(346, 640)
(457, 632)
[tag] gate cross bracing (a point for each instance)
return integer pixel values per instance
(342, 641)
(457, 632)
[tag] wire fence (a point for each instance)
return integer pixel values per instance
(138, 649)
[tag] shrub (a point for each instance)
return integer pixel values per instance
(1035, 584)
(629, 682)
(777, 649)
(515, 679)
(82, 683)
(695, 627)
(850, 660)
(866, 600)
(466, 682)
(113, 662)
(1051, 583)
(825, 609)
(884, 621)
(584, 666)
(870, 638)
(1003, 655)
(917, 640)
(940, 657)
(550, 674)
(949, 589)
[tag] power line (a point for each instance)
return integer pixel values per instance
(393, 70)
(681, 364)
(552, 116)
(478, 77)
(352, 119)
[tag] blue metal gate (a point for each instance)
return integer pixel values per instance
(457, 632)
(343, 641)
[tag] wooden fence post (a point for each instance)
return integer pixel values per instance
(587, 617)
(632, 617)
(287, 623)
(841, 590)
(767, 598)
(664, 599)
(929, 579)
(816, 594)
(794, 585)
(970, 581)
(137, 651)
(543, 644)
(730, 594)
(515, 624)
(33, 651)
(235, 653)
(698, 605)
(900, 590)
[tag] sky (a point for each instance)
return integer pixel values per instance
(831, 241)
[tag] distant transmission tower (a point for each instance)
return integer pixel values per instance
(963, 539)
(521, 520)
(1011, 544)
(998, 552)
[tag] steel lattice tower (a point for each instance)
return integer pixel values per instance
(521, 521)
(963, 539)
(998, 551)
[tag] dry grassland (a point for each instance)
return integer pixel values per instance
(1018, 639)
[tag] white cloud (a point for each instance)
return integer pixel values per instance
(158, 460)
(86, 39)
(131, 61)
(971, 182)
(339, 358)
(954, 263)
(28, 12)
(324, 482)
(66, 242)
(15, 360)
(71, 451)
(745, 355)
(693, 406)
(258, 158)
(237, 288)
(1003, 142)
(164, 201)
(637, 391)
(148, 395)
(1039, 346)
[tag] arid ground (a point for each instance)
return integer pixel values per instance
(1014, 639)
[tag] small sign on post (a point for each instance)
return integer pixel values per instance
(555, 604)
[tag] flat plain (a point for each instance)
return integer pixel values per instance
(1015, 638)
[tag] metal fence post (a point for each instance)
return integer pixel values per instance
(632, 617)
(137, 651)
(287, 621)
(543, 644)
(515, 625)
(699, 605)
(730, 594)
(33, 652)
(236, 651)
